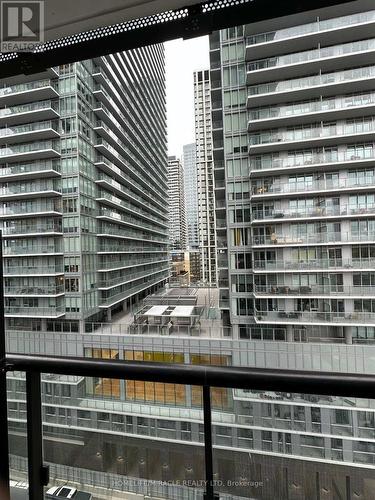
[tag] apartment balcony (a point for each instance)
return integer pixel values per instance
(115, 265)
(33, 270)
(310, 163)
(31, 131)
(221, 224)
(107, 284)
(308, 87)
(15, 191)
(315, 318)
(39, 228)
(212, 382)
(29, 151)
(224, 304)
(41, 90)
(313, 137)
(316, 291)
(32, 250)
(312, 111)
(323, 59)
(119, 249)
(129, 235)
(127, 118)
(220, 204)
(343, 185)
(117, 181)
(281, 240)
(221, 242)
(109, 137)
(136, 201)
(30, 209)
(108, 302)
(34, 170)
(26, 113)
(114, 216)
(313, 265)
(327, 31)
(122, 138)
(46, 74)
(128, 133)
(52, 312)
(329, 212)
(117, 203)
(34, 291)
(113, 156)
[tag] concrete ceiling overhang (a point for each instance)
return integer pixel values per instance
(69, 17)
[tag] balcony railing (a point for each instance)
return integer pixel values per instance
(300, 265)
(315, 238)
(128, 220)
(28, 108)
(37, 227)
(313, 185)
(29, 168)
(305, 134)
(206, 377)
(355, 318)
(333, 211)
(30, 188)
(24, 87)
(19, 250)
(314, 106)
(312, 81)
(37, 270)
(307, 29)
(309, 159)
(35, 312)
(40, 290)
(312, 55)
(313, 290)
(28, 128)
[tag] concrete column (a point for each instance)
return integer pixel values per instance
(235, 332)
(81, 326)
(125, 306)
(348, 335)
(109, 314)
(289, 333)
(43, 324)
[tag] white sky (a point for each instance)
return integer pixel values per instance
(182, 59)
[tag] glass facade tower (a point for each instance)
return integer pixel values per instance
(82, 192)
(205, 182)
(191, 196)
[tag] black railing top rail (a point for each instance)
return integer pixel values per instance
(290, 381)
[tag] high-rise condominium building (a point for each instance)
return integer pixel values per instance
(206, 195)
(83, 183)
(191, 194)
(176, 200)
(294, 153)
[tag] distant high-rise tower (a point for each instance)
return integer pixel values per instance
(206, 195)
(191, 194)
(177, 216)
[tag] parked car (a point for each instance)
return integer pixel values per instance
(67, 492)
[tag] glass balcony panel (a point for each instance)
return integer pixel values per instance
(310, 55)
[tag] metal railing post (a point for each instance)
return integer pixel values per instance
(208, 454)
(4, 445)
(34, 435)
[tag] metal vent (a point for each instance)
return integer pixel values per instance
(115, 29)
